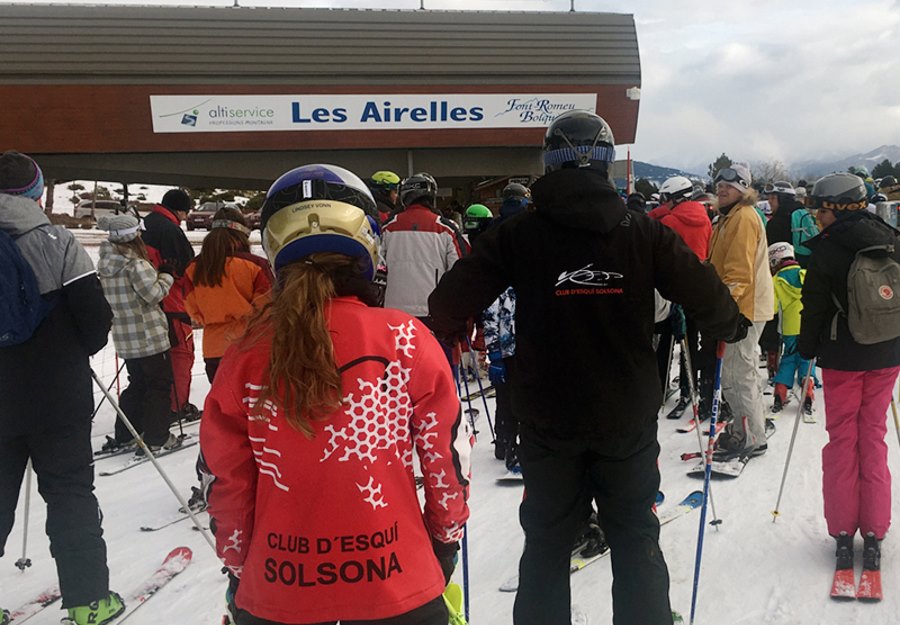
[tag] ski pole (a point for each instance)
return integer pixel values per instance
(179, 409)
(471, 411)
(668, 371)
(896, 419)
(695, 405)
(108, 388)
(140, 441)
(24, 562)
(465, 567)
(713, 417)
(487, 410)
(806, 382)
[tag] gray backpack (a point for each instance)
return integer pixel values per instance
(873, 297)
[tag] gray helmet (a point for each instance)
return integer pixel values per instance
(418, 187)
(517, 191)
(840, 191)
(887, 182)
(579, 139)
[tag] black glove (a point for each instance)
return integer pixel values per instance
(447, 556)
(231, 591)
(167, 268)
(741, 333)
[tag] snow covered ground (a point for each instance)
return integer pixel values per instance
(754, 571)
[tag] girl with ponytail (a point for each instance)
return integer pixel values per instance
(311, 428)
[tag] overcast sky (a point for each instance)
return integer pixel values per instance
(758, 79)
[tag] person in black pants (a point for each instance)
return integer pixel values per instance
(46, 399)
(586, 390)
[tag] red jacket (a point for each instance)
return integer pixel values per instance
(690, 221)
(331, 527)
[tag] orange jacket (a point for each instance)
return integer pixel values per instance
(223, 310)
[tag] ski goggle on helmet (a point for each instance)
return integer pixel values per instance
(729, 174)
(319, 208)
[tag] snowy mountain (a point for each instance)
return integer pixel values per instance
(816, 168)
(657, 174)
(753, 571)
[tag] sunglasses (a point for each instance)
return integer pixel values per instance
(730, 175)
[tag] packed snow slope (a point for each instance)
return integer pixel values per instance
(754, 571)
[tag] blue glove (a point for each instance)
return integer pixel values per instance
(497, 368)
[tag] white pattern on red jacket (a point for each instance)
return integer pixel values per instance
(331, 527)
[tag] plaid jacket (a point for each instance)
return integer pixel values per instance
(134, 290)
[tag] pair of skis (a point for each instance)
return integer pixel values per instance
(174, 563)
(189, 440)
(577, 563)
(844, 588)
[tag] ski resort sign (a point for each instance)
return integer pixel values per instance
(255, 113)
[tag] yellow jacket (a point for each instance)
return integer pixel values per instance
(739, 252)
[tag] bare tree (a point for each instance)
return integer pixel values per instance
(769, 171)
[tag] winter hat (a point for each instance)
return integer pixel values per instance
(177, 200)
(121, 228)
(20, 175)
(737, 176)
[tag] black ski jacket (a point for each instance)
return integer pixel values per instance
(833, 251)
(778, 229)
(584, 270)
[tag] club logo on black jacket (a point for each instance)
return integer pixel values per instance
(588, 281)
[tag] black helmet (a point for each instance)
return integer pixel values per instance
(841, 192)
(418, 187)
(578, 139)
(516, 191)
(887, 182)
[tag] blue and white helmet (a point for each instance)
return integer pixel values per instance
(319, 208)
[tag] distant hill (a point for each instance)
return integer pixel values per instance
(657, 174)
(814, 169)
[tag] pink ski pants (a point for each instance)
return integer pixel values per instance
(856, 482)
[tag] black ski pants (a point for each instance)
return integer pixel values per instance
(432, 613)
(667, 343)
(147, 400)
(558, 477)
(63, 462)
(506, 425)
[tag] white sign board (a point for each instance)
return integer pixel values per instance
(255, 113)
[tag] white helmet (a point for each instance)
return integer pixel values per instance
(778, 253)
(677, 189)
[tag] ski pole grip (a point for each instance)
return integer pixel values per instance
(720, 349)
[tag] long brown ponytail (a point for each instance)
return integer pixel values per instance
(304, 381)
(218, 246)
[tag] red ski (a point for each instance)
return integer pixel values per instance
(843, 587)
(26, 611)
(869, 588)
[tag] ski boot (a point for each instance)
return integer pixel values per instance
(596, 541)
(173, 442)
(808, 406)
(844, 552)
(112, 445)
(4, 617)
(197, 501)
(777, 405)
(500, 447)
(871, 553)
(97, 612)
(190, 412)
